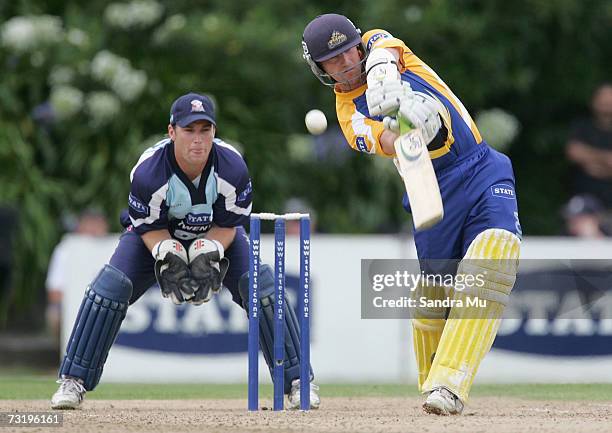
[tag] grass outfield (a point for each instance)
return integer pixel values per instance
(35, 387)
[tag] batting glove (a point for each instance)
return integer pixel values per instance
(392, 124)
(422, 111)
(385, 97)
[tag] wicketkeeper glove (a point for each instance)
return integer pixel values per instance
(208, 267)
(172, 271)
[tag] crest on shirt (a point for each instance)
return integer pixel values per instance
(196, 105)
(336, 39)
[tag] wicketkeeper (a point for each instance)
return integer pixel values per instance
(476, 184)
(189, 199)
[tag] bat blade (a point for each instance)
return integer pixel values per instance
(419, 177)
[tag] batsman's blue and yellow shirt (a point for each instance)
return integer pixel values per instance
(163, 197)
(363, 131)
(476, 182)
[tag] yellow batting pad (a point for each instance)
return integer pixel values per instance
(426, 334)
(470, 331)
(427, 327)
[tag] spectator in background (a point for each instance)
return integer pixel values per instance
(590, 148)
(584, 217)
(298, 205)
(90, 223)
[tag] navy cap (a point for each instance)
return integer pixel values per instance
(191, 107)
(329, 35)
(584, 204)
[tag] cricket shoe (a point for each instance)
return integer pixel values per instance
(69, 395)
(441, 401)
(294, 395)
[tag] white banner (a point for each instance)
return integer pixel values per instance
(160, 342)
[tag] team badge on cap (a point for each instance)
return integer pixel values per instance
(336, 39)
(196, 105)
(191, 107)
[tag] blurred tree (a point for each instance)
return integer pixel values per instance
(85, 88)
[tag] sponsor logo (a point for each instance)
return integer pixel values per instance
(336, 39)
(306, 54)
(197, 106)
(503, 190)
(137, 205)
(411, 145)
(154, 324)
(360, 142)
(198, 219)
(376, 37)
(244, 195)
(559, 312)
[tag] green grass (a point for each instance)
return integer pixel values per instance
(28, 386)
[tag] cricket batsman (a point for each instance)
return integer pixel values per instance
(480, 224)
(189, 198)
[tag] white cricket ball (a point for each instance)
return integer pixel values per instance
(316, 123)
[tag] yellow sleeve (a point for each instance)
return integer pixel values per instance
(361, 133)
(379, 38)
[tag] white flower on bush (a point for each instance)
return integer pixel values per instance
(102, 107)
(173, 24)
(176, 22)
(118, 74)
(66, 101)
(135, 14)
(77, 37)
(60, 75)
(497, 127)
(37, 59)
(211, 23)
(27, 33)
(413, 14)
(129, 85)
(105, 65)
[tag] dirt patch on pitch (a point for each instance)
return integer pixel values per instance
(498, 415)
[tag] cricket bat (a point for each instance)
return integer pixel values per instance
(412, 156)
(417, 172)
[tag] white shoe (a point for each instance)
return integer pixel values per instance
(294, 395)
(443, 402)
(69, 395)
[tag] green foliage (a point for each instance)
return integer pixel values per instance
(112, 77)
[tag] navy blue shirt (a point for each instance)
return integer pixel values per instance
(163, 197)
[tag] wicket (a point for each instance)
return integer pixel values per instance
(303, 310)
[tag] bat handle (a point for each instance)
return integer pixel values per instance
(404, 124)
